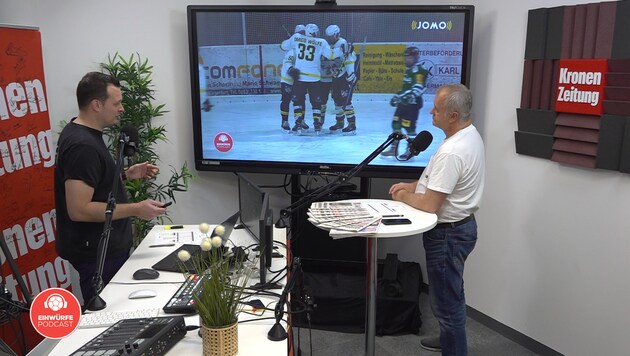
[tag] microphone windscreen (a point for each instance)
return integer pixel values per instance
(132, 142)
(421, 142)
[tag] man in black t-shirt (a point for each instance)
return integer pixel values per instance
(84, 176)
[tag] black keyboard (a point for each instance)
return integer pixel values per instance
(182, 301)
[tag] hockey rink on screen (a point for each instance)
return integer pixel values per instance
(253, 122)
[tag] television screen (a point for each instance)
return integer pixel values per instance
(296, 89)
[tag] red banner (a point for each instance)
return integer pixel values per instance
(581, 85)
(27, 210)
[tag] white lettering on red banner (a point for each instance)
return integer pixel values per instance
(581, 86)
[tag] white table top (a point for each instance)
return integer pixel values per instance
(421, 221)
(252, 336)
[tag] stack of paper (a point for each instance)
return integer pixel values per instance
(344, 219)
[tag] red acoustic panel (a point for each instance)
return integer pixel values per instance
(613, 107)
(574, 159)
(576, 134)
(579, 21)
(605, 29)
(590, 33)
(567, 31)
(616, 93)
(537, 80)
(618, 79)
(579, 147)
(577, 120)
(526, 89)
(547, 93)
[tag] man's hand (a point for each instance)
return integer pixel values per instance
(410, 187)
(142, 170)
(149, 209)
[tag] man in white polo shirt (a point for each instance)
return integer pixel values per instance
(451, 187)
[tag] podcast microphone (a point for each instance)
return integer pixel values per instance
(130, 136)
(420, 143)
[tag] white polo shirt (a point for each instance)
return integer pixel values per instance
(457, 169)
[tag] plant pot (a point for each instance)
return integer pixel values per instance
(220, 341)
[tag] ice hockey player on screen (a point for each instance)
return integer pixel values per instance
(338, 76)
(408, 101)
(286, 82)
(308, 52)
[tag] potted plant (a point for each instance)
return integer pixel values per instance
(135, 75)
(218, 297)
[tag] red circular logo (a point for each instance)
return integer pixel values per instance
(223, 142)
(55, 313)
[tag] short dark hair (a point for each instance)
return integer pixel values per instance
(94, 86)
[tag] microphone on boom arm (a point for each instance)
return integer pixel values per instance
(420, 143)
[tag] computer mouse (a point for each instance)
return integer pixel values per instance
(142, 293)
(146, 273)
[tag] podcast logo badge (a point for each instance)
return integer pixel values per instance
(55, 313)
(223, 142)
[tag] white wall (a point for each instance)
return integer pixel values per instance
(552, 256)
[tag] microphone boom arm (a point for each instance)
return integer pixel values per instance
(97, 303)
(323, 190)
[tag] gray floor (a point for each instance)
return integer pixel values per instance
(482, 341)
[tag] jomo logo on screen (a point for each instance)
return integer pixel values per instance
(431, 25)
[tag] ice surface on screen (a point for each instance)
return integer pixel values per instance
(239, 61)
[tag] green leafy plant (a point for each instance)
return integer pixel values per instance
(224, 280)
(135, 75)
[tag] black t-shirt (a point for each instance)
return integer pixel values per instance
(83, 155)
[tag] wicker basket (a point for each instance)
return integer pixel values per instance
(220, 341)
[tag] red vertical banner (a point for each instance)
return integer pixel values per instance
(27, 157)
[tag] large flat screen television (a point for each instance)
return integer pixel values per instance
(237, 62)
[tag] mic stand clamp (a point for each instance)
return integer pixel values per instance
(96, 302)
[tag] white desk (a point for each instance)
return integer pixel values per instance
(252, 336)
(420, 222)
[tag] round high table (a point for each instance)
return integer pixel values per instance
(420, 222)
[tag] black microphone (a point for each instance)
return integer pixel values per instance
(130, 136)
(420, 143)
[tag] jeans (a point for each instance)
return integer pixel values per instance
(86, 273)
(446, 251)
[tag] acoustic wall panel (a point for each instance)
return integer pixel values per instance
(536, 121)
(598, 136)
(621, 39)
(577, 33)
(553, 43)
(536, 34)
(611, 141)
(532, 144)
(605, 29)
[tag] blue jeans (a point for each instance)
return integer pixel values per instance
(86, 272)
(446, 251)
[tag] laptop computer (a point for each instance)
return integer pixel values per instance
(171, 263)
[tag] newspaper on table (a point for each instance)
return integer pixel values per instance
(344, 219)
